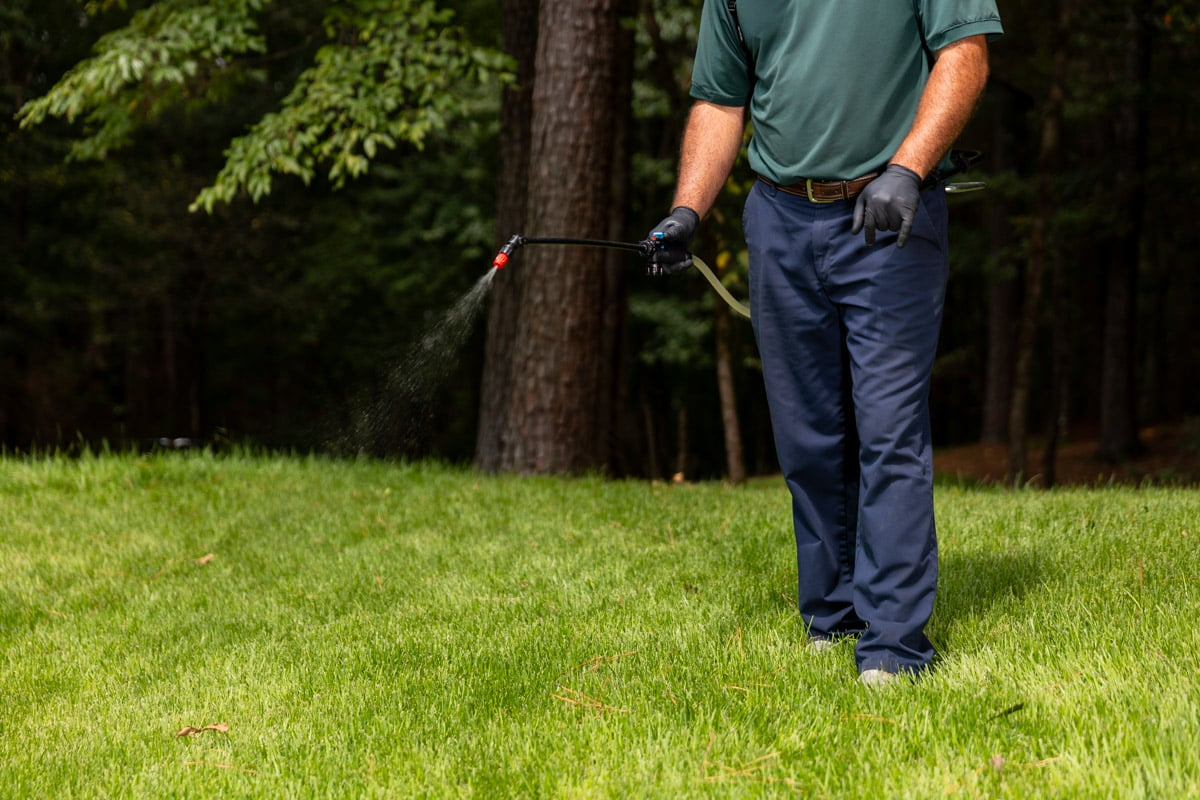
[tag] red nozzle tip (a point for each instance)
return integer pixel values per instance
(500, 260)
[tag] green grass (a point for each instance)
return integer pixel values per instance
(373, 630)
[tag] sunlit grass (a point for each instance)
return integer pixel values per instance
(374, 630)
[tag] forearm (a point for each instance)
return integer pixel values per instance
(955, 84)
(711, 142)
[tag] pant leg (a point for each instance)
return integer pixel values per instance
(806, 372)
(891, 304)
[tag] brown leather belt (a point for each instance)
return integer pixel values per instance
(824, 191)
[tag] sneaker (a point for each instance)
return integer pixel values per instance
(877, 677)
(821, 644)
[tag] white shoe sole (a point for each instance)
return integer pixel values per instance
(877, 677)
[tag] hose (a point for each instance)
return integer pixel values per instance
(711, 277)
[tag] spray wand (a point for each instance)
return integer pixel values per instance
(645, 248)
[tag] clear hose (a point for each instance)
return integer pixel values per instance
(711, 277)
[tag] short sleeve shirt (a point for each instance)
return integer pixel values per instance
(832, 85)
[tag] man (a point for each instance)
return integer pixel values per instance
(853, 107)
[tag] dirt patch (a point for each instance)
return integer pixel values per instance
(1171, 457)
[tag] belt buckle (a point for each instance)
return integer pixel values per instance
(808, 182)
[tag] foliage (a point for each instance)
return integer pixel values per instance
(394, 75)
(374, 630)
(168, 50)
(392, 72)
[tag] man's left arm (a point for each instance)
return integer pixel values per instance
(957, 80)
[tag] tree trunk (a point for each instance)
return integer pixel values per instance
(682, 454)
(1004, 302)
(614, 426)
(1018, 420)
(1118, 393)
(561, 377)
(1062, 328)
(516, 112)
(650, 431)
(735, 461)
(1004, 290)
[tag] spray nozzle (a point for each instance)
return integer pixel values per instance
(507, 250)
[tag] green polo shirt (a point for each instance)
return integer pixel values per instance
(836, 82)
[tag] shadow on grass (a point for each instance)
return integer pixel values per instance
(975, 584)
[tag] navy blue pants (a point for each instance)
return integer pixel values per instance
(847, 334)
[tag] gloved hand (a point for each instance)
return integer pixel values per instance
(889, 203)
(671, 239)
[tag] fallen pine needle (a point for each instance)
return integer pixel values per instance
(188, 730)
(999, 762)
(596, 662)
(746, 770)
(576, 698)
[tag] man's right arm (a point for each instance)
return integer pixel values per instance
(711, 142)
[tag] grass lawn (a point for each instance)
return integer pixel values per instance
(342, 629)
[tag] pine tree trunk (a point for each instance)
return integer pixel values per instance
(561, 375)
(1003, 307)
(616, 427)
(1063, 325)
(516, 112)
(735, 461)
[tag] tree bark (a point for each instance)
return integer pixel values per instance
(516, 112)
(1004, 303)
(735, 461)
(1058, 406)
(682, 444)
(615, 426)
(561, 378)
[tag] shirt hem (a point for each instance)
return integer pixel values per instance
(718, 98)
(989, 27)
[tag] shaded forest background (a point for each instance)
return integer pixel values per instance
(126, 318)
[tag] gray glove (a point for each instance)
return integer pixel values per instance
(889, 203)
(671, 239)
